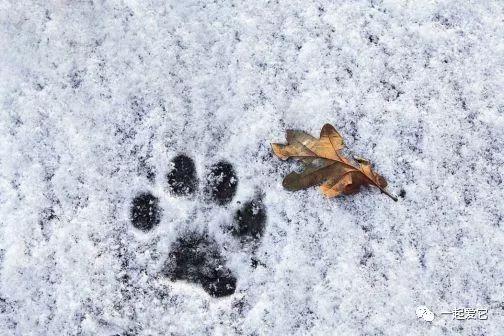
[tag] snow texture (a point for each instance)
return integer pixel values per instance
(96, 98)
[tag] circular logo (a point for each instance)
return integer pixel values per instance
(424, 313)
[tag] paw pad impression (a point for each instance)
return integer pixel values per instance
(249, 221)
(182, 178)
(197, 259)
(145, 212)
(221, 183)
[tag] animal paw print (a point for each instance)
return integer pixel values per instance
(196, 257)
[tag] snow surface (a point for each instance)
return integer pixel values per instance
(95, 94)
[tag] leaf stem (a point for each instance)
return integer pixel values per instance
(389, 195)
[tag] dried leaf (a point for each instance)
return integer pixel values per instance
(325, 164)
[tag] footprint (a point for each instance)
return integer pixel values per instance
(145, 212)
(196, 257)
(182, 178)
(221, 183)
(249, 221)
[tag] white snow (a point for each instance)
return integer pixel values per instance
(89, 90)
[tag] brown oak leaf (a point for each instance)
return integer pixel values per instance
(325, 164)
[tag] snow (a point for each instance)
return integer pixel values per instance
(95, 94)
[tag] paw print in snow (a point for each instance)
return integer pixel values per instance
(196, 257)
